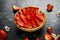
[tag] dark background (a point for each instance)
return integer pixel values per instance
(7, 15)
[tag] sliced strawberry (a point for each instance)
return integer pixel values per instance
(28, 14)
(34, 8)
(49, 30)
(32, 20)
(17, 14)
(40, 16)
(28, 26)
(28, 17)
(25, 38)
(33, 23)
(49, 7)
(24, 11)
(3, 35)
(28, 10)
(47, 37)
(20, 12)
(23, 18)
(37, 38)
(17, 18)
(38, 22)
(21, 24)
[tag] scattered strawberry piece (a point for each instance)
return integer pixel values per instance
(3, 35)
(25, 38)
(49, 30)
(37, 38)
(49, 7)
(16, 8)
(47, 37)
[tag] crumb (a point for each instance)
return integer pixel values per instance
(7, 28)
(58, 14)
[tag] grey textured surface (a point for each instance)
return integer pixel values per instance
(7, 15)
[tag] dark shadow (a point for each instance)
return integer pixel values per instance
(49, 10)
(14, 12)
(22, 34)
(31, 36)
(37, 33)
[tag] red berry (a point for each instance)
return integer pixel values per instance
(3, 34)
(37, 38)
(49, 30)
(25, 38)
(49, 7)
(47, 37)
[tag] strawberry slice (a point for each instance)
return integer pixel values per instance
(3, 35)
(47, 37)
(23, 18)
(49, 30)
(24, 11)
(49, 7)
(38, 22)
(37, 38)
(33, 23)
(17, 18)
(28, 17)
(25, 38)
(20, 12)
(28, 26)
(34, 8)
(40, 16)
(28, 14)
(21, 24)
